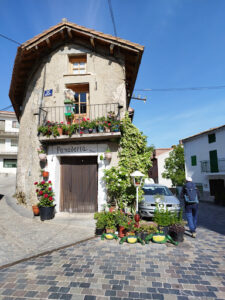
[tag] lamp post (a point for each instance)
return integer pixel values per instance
(137, 180)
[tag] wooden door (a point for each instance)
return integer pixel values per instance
(79, 182)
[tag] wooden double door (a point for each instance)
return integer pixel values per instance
(79, 184)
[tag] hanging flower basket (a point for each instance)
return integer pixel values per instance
(108, 155)
(45, 174)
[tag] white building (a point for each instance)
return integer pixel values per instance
(205, 161)
(158, 163)
(9, 130)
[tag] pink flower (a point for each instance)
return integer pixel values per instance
(109, 124)
(43, 182)
(49, 188)
(81, 132)
(88, 119)
(36, 183)
(50, 198)
(83, 119)
(41, 193)
(45, 195)
(61, 122)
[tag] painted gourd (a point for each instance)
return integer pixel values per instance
(131, 239)
(158, 238)
(109, 236)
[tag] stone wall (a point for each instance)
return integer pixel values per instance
(106, 79)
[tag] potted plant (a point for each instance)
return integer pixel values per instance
(60, 128)
(107, 126)
(115, 126)
(45, 174)
(177, 229)
(41, 153)
(100, 124)
(36, 210)
(110, 220)
(101, 223)
(122, 221)
(108, 154)
(46, 199)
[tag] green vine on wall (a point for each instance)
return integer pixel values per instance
(133, 155)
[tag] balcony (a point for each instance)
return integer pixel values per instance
(215, 168)
(104, 114)
(4, 133)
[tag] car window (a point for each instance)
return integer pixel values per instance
(154, 190)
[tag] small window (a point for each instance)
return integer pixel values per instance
(78, 64)
(14, 143)
(211, 138)
(2, 125)
(15, 124)
(10, 163)
(194, 160)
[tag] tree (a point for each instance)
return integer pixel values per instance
(133, 155)
(174, 166)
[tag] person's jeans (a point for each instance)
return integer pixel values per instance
(191, 211)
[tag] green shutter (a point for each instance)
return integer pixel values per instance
(194, 160)
(213, 161)
(211, 138)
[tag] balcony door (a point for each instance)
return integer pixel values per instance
(81, 100)
(213, 161)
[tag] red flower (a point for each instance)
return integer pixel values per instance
(49, 188)
(36, 183)
(37, 191)
(61, 122)
(48, 122)
(50, 198)
(105, 122)
(43, 182)
(41, 193)
(45, 195)
(109, 124)
(88, 119)
(49, 181)
(68, 123)
(83, 119)
(81, 132)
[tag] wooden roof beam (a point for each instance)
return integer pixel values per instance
(48, 42)
(111, 48)
(92, 41)
(69, 32)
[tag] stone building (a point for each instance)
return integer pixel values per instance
(101, 71)
(9, 132)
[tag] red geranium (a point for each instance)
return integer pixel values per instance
(43, 182)
(36, 183)
(37, 191)
(50, 198)
(49, 181)
(41, 193)
(45, 195)
(49, 188)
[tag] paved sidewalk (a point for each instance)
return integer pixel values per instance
(100, 270)
(22, 235)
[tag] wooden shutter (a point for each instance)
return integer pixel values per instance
(213, 161)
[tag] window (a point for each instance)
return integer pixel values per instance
(15, 124)
(194, 160)
(2, 144)
(2, 125)
(78, 64)
(14, 143)
(211, 138)
(81, 98)
(9, 163)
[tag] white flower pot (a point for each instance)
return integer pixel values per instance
(108, 155)
(42, 156)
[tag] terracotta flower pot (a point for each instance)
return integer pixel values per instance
(36, 210)
(60, 130)
(137, 217)
(122, 231)
(45, 174)
(107, 230)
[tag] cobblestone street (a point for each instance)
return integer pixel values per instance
(106, 270)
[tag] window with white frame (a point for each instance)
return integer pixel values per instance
(2, 125)
(14, 143)
(9, 163)
(15, 124)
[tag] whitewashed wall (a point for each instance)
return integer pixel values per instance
(161, 163)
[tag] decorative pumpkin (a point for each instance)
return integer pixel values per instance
(160, 238)
(131, 239)
(109, 236)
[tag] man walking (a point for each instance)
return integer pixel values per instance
(190, 195)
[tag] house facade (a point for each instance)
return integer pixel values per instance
(158, 163)
(205, 162)
(9, 133)
(98, 71)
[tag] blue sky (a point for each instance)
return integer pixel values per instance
(184, 47)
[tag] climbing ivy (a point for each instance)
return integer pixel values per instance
(133, 155)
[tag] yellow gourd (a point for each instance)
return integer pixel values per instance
(132, 240)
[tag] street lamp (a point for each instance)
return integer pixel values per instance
(137, 180)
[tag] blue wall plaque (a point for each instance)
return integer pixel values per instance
(47, 93)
